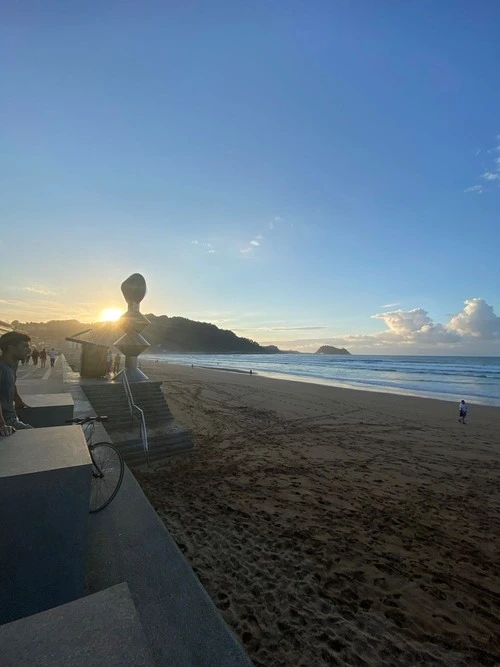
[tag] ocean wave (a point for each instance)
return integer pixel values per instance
(475, 378)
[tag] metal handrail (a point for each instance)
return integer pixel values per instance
(140, 413)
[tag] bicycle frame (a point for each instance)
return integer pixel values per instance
(88, 431)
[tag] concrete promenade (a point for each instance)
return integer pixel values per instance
(129, 543)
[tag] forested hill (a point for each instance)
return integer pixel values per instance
(178, 334)
(165, 334)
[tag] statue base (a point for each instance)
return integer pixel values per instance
(133, 375)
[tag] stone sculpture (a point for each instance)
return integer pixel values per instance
(132, 344)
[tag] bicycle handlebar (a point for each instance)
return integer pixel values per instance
(87, 420)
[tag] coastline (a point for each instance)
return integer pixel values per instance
(340, 384)
(332, 524)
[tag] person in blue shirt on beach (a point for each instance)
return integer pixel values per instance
(462, 411)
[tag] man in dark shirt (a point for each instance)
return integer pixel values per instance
(14, 345)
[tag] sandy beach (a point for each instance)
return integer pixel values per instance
(333, 526)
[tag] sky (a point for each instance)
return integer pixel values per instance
(303, 173)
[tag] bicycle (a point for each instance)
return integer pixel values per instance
(107, 465)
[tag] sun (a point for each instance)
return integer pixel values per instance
(110, 315)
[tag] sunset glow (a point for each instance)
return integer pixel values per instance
(110, 315)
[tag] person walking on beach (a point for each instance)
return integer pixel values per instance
(462, 411)
(43, 357)
(34, 355)
(52, 357)
(15, 346)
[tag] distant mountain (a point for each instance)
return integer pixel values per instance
(329, 349)
(165, 334)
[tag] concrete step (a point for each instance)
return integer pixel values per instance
(110, 399)
(161, 447)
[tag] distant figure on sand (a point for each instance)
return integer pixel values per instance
(462, 411)
(109, 361)
(52, 357)
(34, 355)
(116, 363)
(43, 357)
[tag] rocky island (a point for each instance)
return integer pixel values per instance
(329, 349)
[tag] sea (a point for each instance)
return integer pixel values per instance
(475, 379)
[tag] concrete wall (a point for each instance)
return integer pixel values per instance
(45, 479)
(47, 409)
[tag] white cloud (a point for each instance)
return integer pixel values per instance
(278, 218)
(254, 243)
(208, 247)
(414, 326)
(297, 328)
(476, 320)
(390, 305)
(490, 175)
(39, 289)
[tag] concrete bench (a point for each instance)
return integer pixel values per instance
(45, 477)
(101, 629)
(47, 410)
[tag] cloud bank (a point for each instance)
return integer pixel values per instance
(475, 330)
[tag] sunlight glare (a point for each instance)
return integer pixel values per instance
(110, 315)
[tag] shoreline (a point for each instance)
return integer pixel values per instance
(338, 384)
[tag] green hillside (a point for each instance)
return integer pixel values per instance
(165, 334)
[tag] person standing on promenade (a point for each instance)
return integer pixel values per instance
(52, 357)
(43, 357)
(15, 346)
(109, 361)
(116, 363)
(34, 355)
(462, 411)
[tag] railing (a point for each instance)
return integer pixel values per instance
(136, 411)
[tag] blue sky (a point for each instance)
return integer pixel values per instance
(287, 170)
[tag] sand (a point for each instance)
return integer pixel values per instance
(333, 526)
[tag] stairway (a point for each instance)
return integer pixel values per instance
(109, 398)
(165, 437)
(160, 447)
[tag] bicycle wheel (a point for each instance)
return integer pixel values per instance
(107, 474)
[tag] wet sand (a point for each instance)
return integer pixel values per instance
(333, 526)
